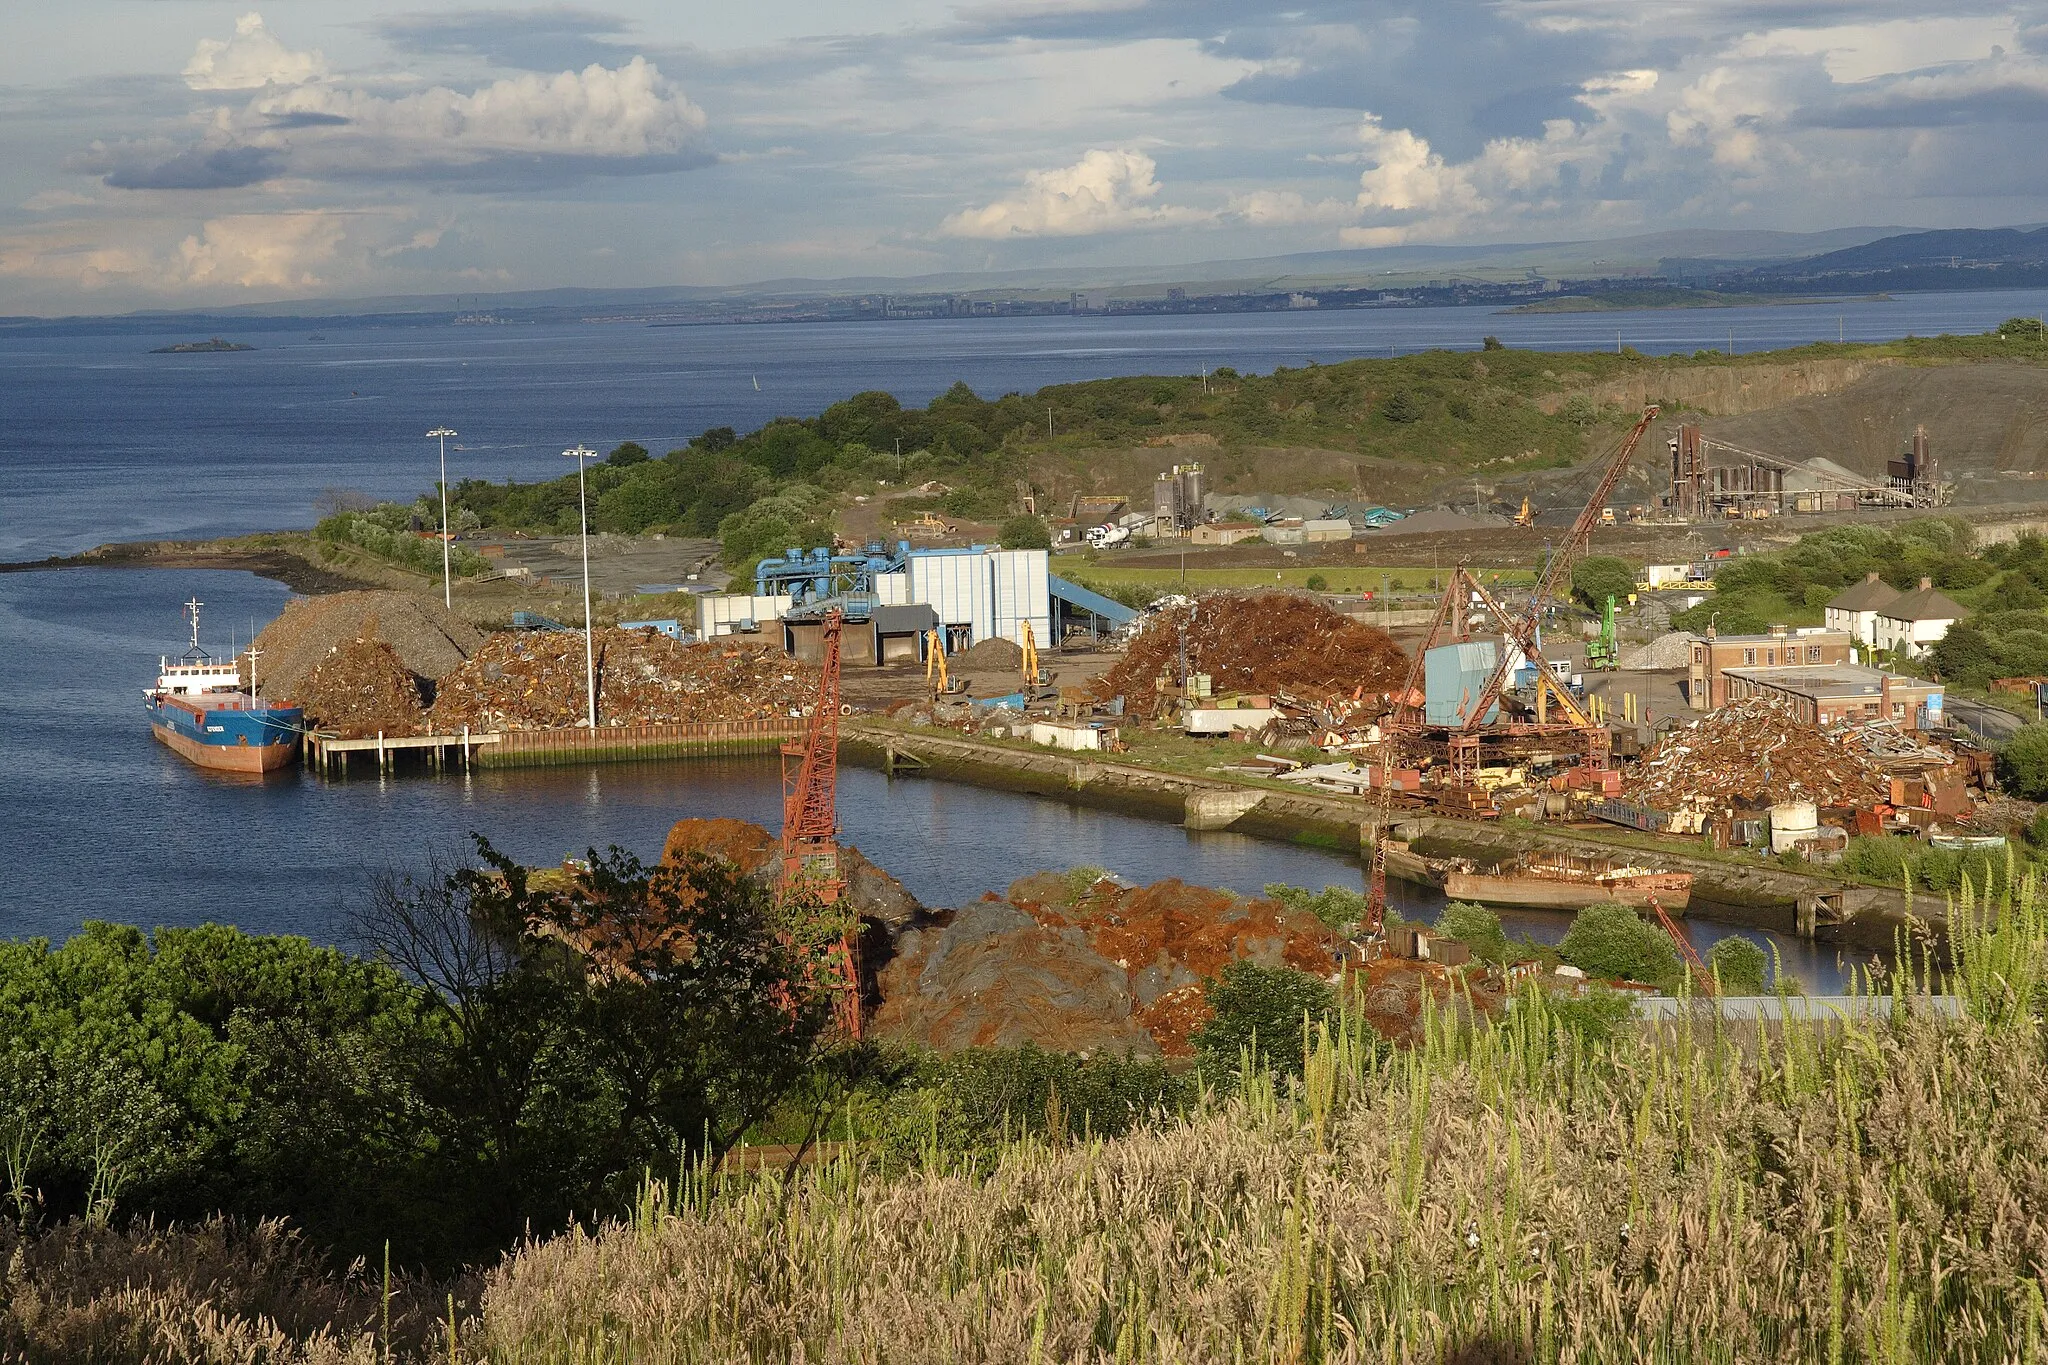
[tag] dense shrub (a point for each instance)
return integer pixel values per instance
(1260, 1012)
(1738, 964)
(1477, 927)
(1613, 941)
(1337, 906)
(388, 530)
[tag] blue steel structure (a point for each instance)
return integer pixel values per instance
(817, 580)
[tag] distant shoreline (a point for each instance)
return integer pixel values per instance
(1636, 301)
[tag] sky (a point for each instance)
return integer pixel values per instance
(172, 153)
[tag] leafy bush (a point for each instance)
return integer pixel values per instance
(1892, 861)
(387, 531)
(1317, 583)
(1477, 927)
(1337, 906)
(1614, 941)
(1599, 577)
(2023, 762)
(1024, 532)
(1259, 1011)
(1738, 964)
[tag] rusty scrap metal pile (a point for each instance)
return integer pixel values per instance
(535, 681)
(1264, 642)
(362, 688)
(1751, 754)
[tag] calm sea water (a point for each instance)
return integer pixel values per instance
(103, 441)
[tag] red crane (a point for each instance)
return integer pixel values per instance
(810, 820)
(1701, 977)
(1523, 629)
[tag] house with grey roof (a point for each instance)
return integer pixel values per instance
(1855, 608)
(1912, 621)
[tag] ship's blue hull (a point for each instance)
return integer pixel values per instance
(247, 739)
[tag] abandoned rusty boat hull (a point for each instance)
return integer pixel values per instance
(1534, 891)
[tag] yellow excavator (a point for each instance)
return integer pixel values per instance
(1033, 677)
(1525, 517)
(935, 678)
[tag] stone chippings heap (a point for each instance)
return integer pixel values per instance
(534, 680)
(1754, 753)
(1261, 642)
(427, 639)
(1114, 967)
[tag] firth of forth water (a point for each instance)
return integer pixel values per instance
(105, 441)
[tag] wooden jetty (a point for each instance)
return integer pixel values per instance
(332, 755)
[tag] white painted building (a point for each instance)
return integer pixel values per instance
(737, 614)
(978, 594)
(1915, 620)
(1855, 608)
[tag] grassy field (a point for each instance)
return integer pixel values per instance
(1525, 1190)
(1106, 569)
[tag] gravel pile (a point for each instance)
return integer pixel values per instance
(428, 640)
(534, 680)
(1672, 650)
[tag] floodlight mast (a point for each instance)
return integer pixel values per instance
(579, 453)
(447, 590)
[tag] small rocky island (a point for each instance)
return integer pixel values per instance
(210, 344)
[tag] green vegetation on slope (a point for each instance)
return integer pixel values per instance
(1792, 586)
(1434, 413)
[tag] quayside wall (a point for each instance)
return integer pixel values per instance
(1736, 890)
(541, 748)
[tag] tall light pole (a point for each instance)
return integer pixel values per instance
(447, 592)
(579, 454)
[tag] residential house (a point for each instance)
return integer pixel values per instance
(1855, 608)
(1913, 621)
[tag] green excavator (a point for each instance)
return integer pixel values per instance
(1602, 651)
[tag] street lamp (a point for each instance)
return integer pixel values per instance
(447, 592)
(579, 454)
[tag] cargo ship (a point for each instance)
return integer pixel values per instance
(201, 711)
(1540, 881)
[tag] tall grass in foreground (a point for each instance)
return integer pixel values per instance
(1864, 1190)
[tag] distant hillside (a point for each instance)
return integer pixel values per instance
(1953, 247)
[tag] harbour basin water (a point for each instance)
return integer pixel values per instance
(107, 824)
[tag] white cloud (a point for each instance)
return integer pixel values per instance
(250, 60)
(1105, 191)
(261, 250)
(1288, 208)
(236, 255)
(618, 114)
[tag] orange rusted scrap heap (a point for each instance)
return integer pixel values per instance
(1267, 642)
(1085, 967)
(360, 689)
(534, 680)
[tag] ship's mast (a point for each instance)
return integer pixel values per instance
(192, 610)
